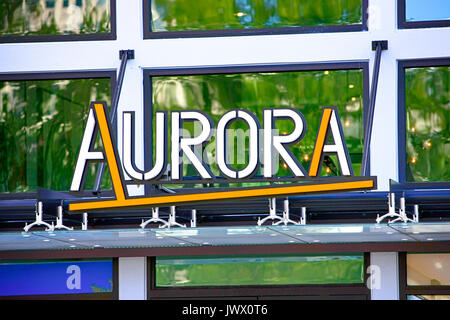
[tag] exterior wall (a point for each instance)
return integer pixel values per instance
(265, 49)
(132, 278)
(384, 279)
(261, 49)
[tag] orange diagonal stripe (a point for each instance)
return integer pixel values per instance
(320, 142)
(222, 195)
(109, 150)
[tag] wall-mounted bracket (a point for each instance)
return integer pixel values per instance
(172, 219)
(272, 212)
(59, 220)
(155, 218)
(39, 221)
(382, 43)
(129, 53)
(400, 216)
(286, 218)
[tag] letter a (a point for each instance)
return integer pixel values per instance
(74, 280)
(86, 155)
(98, 120)
(330, 124)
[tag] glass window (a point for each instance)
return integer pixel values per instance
(428, 269)
(307, 91)
(41, 128)
(57, 17)
(430, 10)
(187, 15)
(56, 277)
(245, 271)
(429, 297)
(427, 98)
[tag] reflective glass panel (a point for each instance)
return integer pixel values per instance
(41, 127)
(56, 277)
(233, 271)
(54, 17)
(187, 15)
(306, 91)
(427, 99)
(429, 10)
(429, 297)
(428, 269)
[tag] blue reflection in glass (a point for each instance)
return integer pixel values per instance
(429, 10)
(55, 278)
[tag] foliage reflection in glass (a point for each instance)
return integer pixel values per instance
(41, 128)
(306, 91)
(427, 98)
(54, 17)
(188, 15)
(234, 271)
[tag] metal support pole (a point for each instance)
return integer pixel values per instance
(84, 224)
(59, 220)
(416, 213)
(378, 46)
(303, 219)
(124, 55)
(194, 218)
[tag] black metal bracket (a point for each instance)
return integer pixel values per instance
(383, 43)
(124, 56)
(377, 46)
(130, 54)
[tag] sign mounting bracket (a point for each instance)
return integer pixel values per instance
(377, 46)
(124, 56)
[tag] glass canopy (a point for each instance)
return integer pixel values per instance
(222, 236)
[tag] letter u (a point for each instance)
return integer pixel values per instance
(161, 147)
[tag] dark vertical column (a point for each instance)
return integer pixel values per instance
(124, 55)
(378, 46)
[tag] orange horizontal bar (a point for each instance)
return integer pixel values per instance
(221, 195)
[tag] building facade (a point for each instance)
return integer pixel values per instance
(382, 64)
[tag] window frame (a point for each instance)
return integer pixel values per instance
(236, 69)
(114, 295)
(148, 34)
(401, 117)
(358, 291)
(406, 290)
(62, 75)
(403, 24)
(112, 35)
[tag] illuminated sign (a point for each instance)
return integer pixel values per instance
(273, 145)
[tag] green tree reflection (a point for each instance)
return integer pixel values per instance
(54, 17)
(41, 127)
(260, 271)
(179, 15)
(427, 124)
(307, 91)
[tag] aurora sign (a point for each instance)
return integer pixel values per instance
(273, 145)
